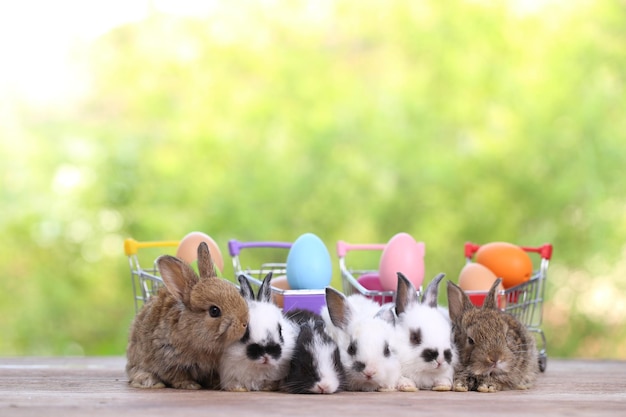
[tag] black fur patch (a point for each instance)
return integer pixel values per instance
(416, 337)
(430, 355)
(358, 366)
(302, 373)
(246, 336)
(352, 348)
(255, 351)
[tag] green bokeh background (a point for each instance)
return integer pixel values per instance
(450, 120)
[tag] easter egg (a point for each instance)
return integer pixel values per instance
(476, 280)
(402, 254)
(281, 283)
(371, 281)
(188, 249)
(308, 263)
(476, 277)
(507, 261)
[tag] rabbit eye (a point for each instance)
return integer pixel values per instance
(352, 349)
(386, 351)
(470, 340)
(416, 337)
(214, 311)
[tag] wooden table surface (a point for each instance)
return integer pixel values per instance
(97, 386)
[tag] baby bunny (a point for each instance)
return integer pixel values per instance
(496, 351)
(365, 343)
(179, 335)
(426, 351)
(315, 367)
(260, 359)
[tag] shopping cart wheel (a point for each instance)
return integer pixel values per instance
(543, 362)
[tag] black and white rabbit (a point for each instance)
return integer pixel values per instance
(261, 358)
(366, 343)
(315, 366)
(426, 349)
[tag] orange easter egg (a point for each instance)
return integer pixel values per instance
(507, 261)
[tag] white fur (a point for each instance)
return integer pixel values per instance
(238, 372)
(435, 330)
(424, 331)
(370, 336)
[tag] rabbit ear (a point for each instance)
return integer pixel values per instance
(432, 291)
(177, 276)
(387, 313)
(205, 262)
(491, 301)
(338, 308)
(245, 289)
(265, 291)
(458, 301)
(406, 294)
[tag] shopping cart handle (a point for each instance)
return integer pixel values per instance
(545, 250)
(235, 246)
(470, 249)
(132, 246)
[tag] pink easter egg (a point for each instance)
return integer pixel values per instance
(402, 254)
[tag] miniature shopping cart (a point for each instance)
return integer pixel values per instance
(525, 301)
(146, 281)
(284, 297)
(355, 280)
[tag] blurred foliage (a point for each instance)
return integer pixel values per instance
(451, 120)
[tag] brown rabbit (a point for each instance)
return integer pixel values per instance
(179, 335)
(496, 351)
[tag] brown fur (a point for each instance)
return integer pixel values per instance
(503, 355)
(174, 340)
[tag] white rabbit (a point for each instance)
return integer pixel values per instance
(260, 359)
(426, 349)
(365, 343)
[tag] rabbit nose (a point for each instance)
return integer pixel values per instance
(494, 360)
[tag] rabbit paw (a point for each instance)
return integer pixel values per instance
(461, 387)
(146, 380)
(187, 384)
(386, 389)
(270, 386)
(406, 385)
(487, 388)
(236, 388)
(442, 384)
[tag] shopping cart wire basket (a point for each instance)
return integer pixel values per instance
(146, 281)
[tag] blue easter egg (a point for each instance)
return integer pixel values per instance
(308, 264)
